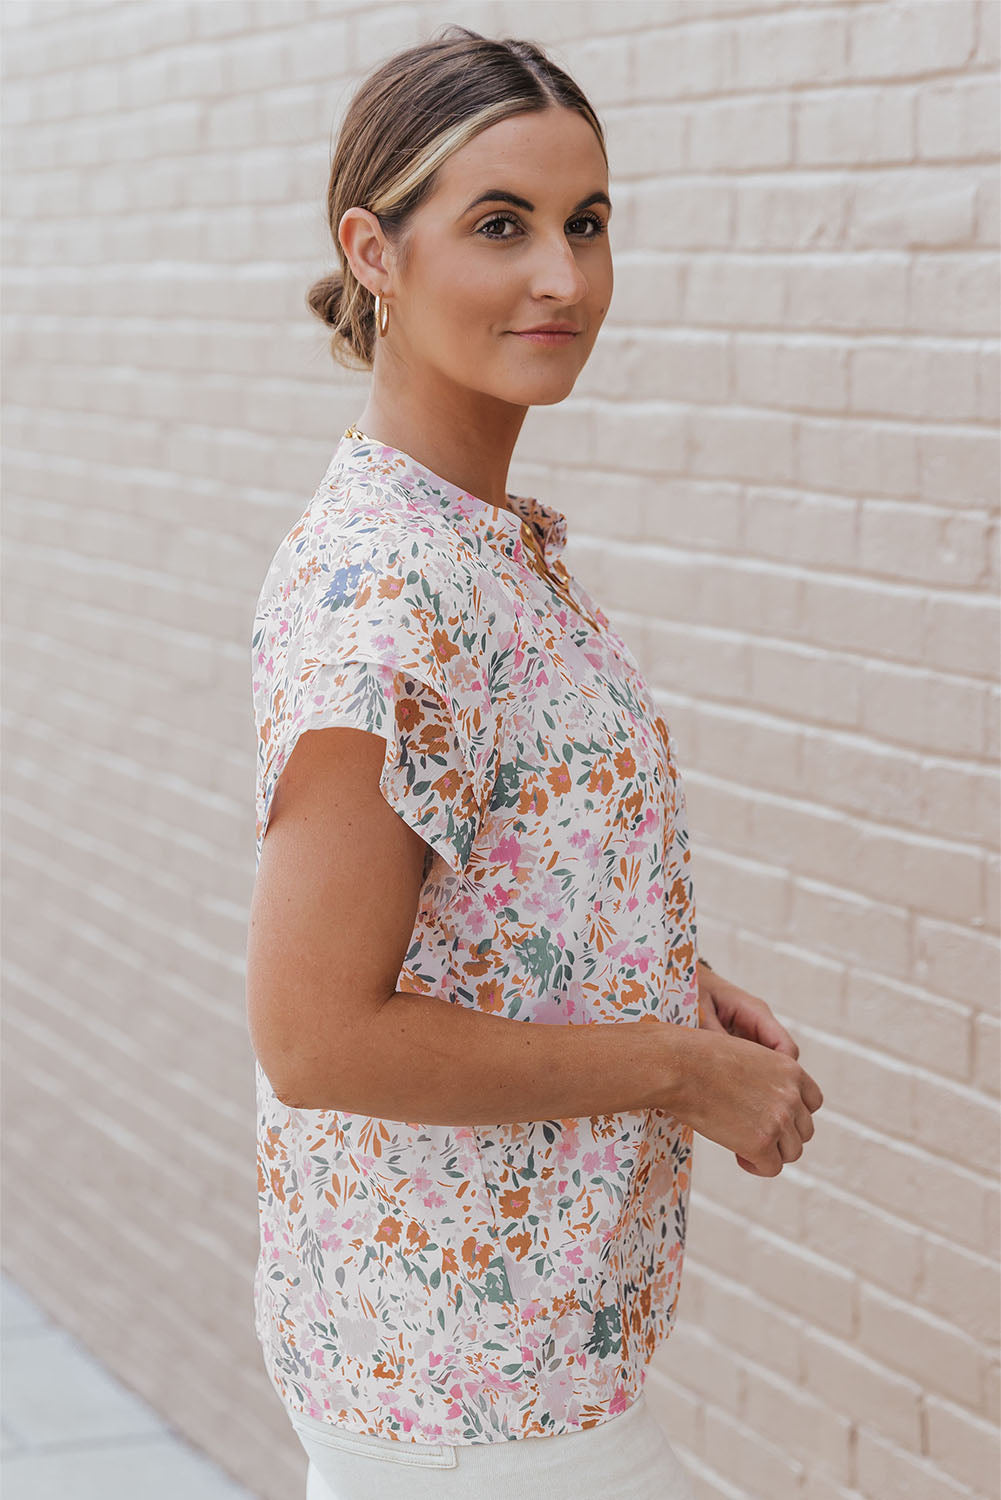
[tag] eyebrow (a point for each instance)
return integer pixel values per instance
(499, 195)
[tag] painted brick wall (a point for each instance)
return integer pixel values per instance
(780, 469)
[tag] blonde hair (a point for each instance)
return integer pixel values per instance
(403, 122)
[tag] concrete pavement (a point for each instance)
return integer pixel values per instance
(70, 1431)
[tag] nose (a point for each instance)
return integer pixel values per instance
(556, 273)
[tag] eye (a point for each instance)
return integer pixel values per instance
(599, 225)
(594, 220)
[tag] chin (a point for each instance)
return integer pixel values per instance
(540, 392)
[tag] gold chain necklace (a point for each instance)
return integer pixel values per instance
(556, 575)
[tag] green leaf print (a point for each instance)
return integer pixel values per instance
(606, 1333)
(541, 954)
(507, 787)
(496, 1287)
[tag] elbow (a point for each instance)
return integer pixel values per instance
(295, 1092)
(287, 1084)
(303, 1087)
(295, 1098)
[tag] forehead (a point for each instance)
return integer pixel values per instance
(553, 149)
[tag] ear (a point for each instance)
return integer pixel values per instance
(365, 247)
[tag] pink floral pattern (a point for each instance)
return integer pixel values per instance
(478, 1284)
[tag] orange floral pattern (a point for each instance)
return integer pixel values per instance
(478, 1284)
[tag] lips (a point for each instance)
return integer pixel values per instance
(559, 338)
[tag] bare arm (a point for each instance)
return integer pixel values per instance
(333, 913)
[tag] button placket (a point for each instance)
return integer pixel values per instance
(556, 575)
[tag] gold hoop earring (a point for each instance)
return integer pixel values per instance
(381, 322)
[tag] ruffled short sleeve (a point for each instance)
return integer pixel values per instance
(379, 636)
(424, 778)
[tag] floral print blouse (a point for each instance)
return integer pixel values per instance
(477, 1284)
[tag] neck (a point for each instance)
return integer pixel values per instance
(460, 445)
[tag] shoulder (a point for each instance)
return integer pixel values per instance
(354, 538)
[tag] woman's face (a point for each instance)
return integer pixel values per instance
(479, 273)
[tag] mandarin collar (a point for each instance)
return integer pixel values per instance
(369, 457)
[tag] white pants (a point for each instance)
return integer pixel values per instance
(627, 1457)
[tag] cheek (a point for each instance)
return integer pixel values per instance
(476, 312)
(475, 286)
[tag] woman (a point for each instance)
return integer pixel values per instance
(483, 1042)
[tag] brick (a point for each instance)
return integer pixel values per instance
(960, 1287)
(915, 708)
(856, 1386)
(848, 126)
(767, 1467)
(919, 380)
(958, 120)
(872, 618)
(926, 208)
(928, 545)
(681, 214)
(958, 466)
(690, 368)
(988, 32)
(987, 1053)
(835, 293)
(745, 1323)
(781, 50)
(955, 1120)
(811, 374)
(799, 212)
(865, 933)
(715, 661)
(801, 528)
(684, 61)
(962, 634)
(794, 1276)
(961, 1443)
(788, 679)
(991, 1404)
(762, 893)
(988, 383)
(801, 986)
(976, 801)
(992, 740)
(883, 1468)
(901, 1021)
(898, 1178)
(645, 280)
(857, 774)
(882, 1248)
(645, 142)
(795, 1421)
(710, 1368)
(753, 445)
(911, 41)
(952, 294)
(955, 961)
(740, 133)
(857, 457)
(720, 290)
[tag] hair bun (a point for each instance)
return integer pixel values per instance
(324, 298)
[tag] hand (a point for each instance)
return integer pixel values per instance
(723, 1006)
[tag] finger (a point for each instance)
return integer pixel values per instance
(708, 1019)
(810, 1093)
(790, 1144)
(755, 1023)
(774, 1035)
